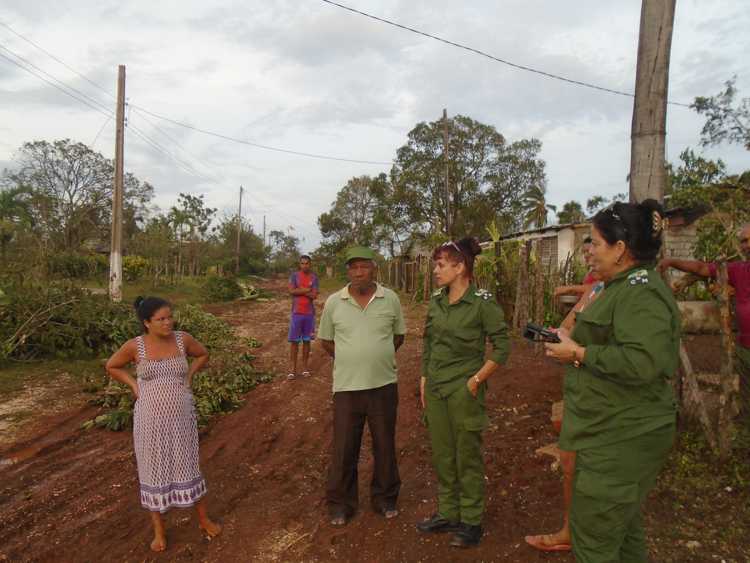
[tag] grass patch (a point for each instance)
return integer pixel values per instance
(700, 509)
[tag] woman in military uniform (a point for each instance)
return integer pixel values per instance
(619, 406)
(460, 319)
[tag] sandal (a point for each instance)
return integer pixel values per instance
(306, 374)
(542, 543)
(291, 376)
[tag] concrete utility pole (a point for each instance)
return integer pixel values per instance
(647, 138)
(239, 232)
(115, 255)
(264, 231)
(447, 184)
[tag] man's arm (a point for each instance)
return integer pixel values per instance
(576, 290)
(702, 269)
(299, 290)
(398, 340)
(330, 347)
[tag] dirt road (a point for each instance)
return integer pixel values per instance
(72, 494)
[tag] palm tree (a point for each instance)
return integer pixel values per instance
(535, 207)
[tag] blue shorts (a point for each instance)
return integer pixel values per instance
(302, 328)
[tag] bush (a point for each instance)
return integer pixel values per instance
(219, 288)
(61, 321)
(134, 267)
(69, 265)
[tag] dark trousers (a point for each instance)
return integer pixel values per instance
(350, 411)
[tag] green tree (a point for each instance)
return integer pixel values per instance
(571, 212)
(190, 220)
(285, 250)
(71, 191)
(487, 177)
(726, 120)
(352, 217)
(15, 215)
(535, 207)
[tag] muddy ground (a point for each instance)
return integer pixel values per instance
(71, 495)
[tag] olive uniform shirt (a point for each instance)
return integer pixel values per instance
(455, 338)
(632, 338)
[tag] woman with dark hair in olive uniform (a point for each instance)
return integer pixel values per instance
(619, 406)
(460, 319)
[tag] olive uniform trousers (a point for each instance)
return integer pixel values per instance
(455, 422)
(610, 484)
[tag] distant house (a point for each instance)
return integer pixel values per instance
(560, 241)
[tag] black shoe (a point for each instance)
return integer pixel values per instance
(437, 524)
(467, 536)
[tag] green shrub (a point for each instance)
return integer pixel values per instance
(134, 267)
(219, 288)
(70, 265)
(61, 321)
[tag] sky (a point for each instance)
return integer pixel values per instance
(306, 76)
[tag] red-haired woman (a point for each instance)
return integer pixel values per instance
(460, 320)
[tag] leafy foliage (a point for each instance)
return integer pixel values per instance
(220, 288)
(571, 212)
(218, 388)
(61, 321)
(724, 120)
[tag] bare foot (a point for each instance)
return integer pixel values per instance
(559, 541)
(210, 528)
(159, 543)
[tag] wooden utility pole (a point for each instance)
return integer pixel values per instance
(115, 255)
(647, 138)
(239, 232)
(448, 225)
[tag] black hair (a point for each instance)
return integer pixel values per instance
(464, 250)
(146, 307)
(638, 225)
(305, 257)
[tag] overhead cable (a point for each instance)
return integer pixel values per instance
(492, 57)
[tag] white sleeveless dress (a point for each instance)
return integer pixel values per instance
(165, 432)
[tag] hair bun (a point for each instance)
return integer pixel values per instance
(471, 246)
(137, 302)
(655, 216)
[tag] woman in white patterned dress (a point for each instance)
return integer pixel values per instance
(165, 431)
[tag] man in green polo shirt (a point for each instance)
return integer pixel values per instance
(361, 328)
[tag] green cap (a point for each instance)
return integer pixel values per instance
(361, 252)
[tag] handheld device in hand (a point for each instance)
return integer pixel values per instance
(538, 333)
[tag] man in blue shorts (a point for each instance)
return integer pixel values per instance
(303, 287)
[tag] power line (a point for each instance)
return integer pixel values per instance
(258, 145)
(492, 57)
(52, 77)
(43, 50)
(100, 108)
(181, 124)
(64, 91)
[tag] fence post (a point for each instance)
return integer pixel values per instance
(521, 310)
(728, 375)
(538, 284)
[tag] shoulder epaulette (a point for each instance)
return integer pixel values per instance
(638, 277)
(483, 293)
(437, 292)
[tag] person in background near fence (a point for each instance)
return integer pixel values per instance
(460, 319)
(739, 278)
(560, 540)
(361, 328)
(588, 280)
(165, 431)
(303, 287)
(620, 414)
